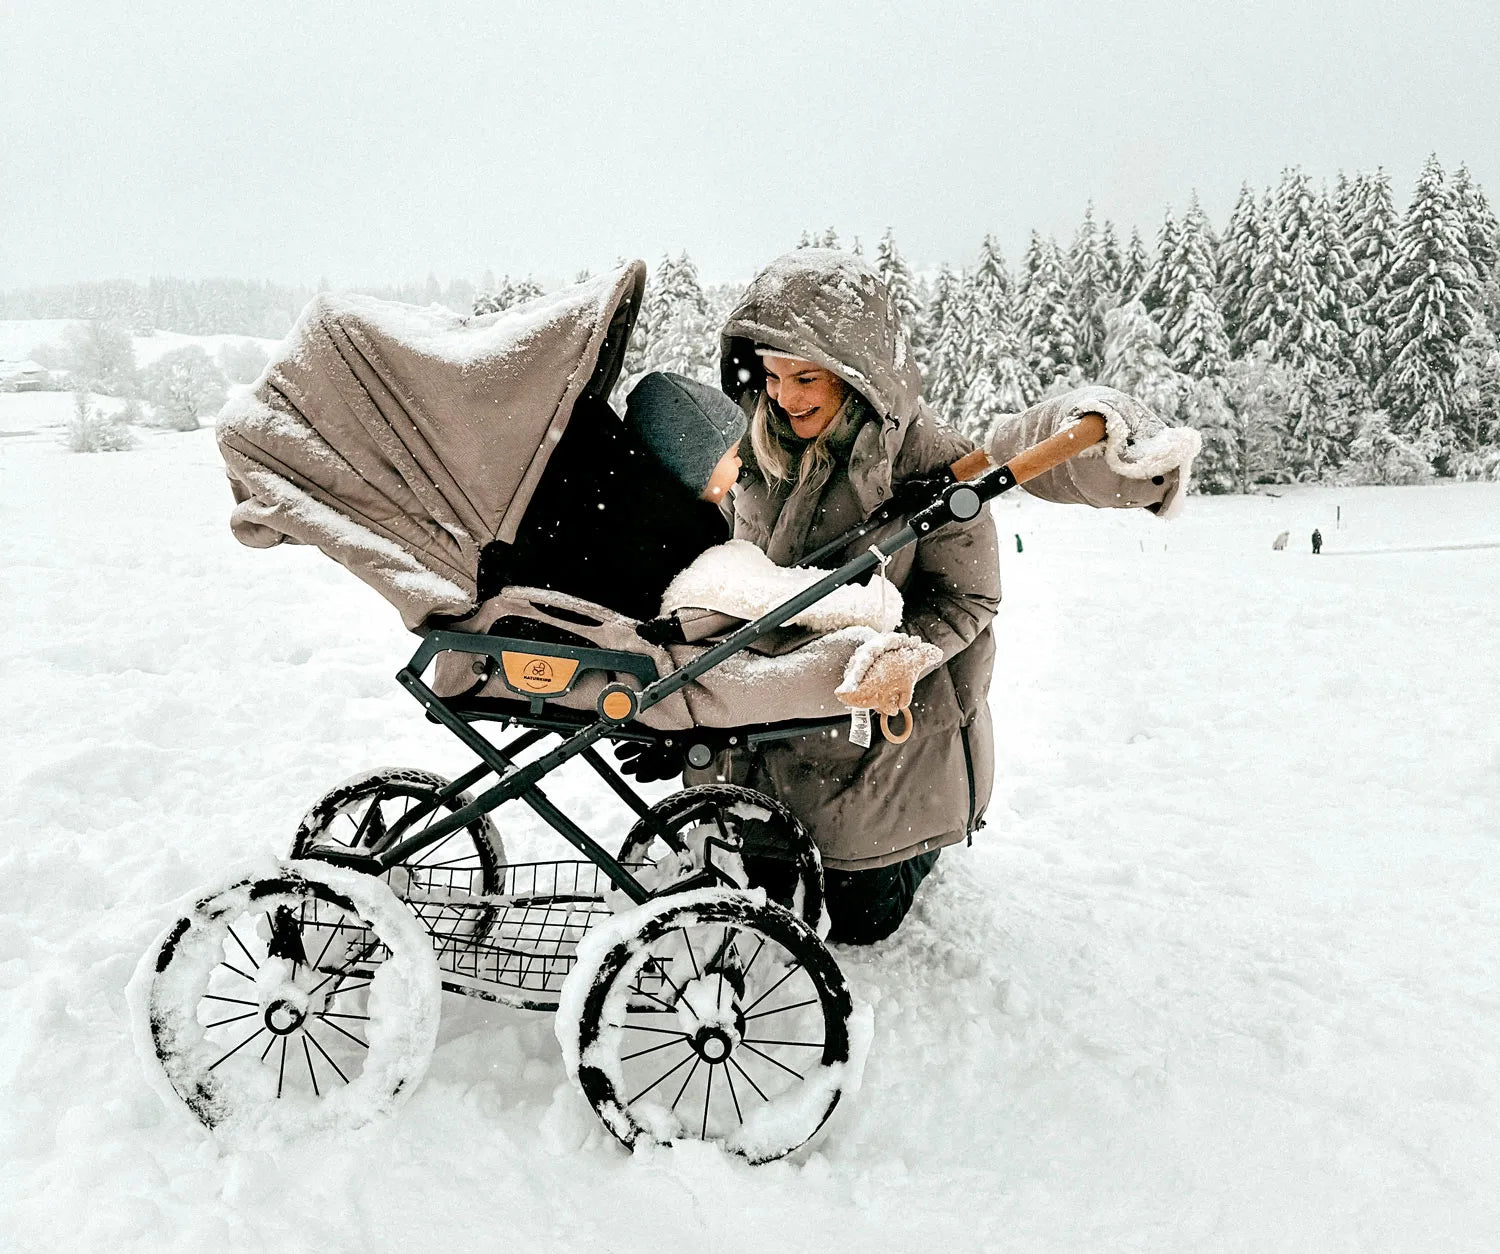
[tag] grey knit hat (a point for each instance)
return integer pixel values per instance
(688, 425)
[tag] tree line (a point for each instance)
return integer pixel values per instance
(1320, 335)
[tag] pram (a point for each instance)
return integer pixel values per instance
(694, 997)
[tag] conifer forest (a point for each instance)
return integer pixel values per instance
(1318, 335)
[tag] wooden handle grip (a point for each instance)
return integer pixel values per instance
(971, 465)
(1039, 458)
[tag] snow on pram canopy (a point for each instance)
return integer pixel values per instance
(400, 441)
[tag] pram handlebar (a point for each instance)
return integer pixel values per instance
(972, 467)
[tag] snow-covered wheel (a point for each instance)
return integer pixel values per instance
(300, 999)
(373, 810)
(712, 1015)
(751, 839)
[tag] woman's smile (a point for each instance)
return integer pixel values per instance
(808, 395)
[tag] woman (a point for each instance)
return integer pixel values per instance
(816, 355)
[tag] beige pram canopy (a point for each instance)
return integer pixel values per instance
(402, 440)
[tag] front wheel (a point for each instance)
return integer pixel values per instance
(306, 998)
(711, 1015)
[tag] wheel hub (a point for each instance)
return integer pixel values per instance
(284, 1018)
(714, 1044)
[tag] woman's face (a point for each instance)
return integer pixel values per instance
(809, 395)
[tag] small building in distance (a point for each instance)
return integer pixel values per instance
(25, 376)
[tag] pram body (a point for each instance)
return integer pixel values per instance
(401, 443)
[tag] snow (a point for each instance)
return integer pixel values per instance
(1218, 975)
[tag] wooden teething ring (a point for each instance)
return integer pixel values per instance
(885, 726)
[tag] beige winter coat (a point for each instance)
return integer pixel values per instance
(881, 805)
(870, 807)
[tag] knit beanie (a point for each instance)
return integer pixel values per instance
(687, 425)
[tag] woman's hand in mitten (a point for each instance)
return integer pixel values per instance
(883, 672)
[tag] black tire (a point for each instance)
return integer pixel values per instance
(259, 1009)
(719, 979)
(768, 846)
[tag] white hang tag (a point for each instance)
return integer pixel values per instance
(859, 728)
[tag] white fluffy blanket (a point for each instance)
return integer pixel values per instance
(737, 578)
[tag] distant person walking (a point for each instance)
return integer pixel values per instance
(1317, 538)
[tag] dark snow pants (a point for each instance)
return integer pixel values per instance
(867, 906)
(863, 906)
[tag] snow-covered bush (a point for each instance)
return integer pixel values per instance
(181, 385)
(92, 430)
(242, 361)
(97, 357)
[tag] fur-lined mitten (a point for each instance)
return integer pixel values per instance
(884, 670)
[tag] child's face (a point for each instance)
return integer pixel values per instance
(723, 477)
(809, 396)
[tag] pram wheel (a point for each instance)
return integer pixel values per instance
(305, 999)
(371, 811)
(750, 839)
(712, 1016)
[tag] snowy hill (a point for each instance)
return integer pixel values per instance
(1218, 975)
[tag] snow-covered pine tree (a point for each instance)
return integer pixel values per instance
(952, 349)
(1367, 216)
(1242, 436)
(1287, 308)
(1428, 314)
(1090, 281)
(829, 239)
(931, 321)
(1113, 262)
(1481, 229)
(1134, 360)
(1340, 295)
(1476, 407)
(996, 355)
(894, 273)
(1133, 269)
(1049, 336)
(1200, 346)
(1153, 291)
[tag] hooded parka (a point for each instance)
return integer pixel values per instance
(869, 807)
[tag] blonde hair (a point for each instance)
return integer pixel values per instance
(775, 459)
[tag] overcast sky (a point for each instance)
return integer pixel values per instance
(377, 141)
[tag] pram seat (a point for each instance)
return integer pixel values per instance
(751, 688)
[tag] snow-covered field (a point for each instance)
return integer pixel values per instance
(1222, 973)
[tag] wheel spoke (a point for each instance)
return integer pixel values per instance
(235, 936)
(796, 1005)
(281, 1070)
(791, 971)
(308, 1036)
(708, 1097)
(346, 988)
(311, 1074)
(733, 1096)
(748, 1080)
(685, 1083)
(238, 1047)
(238, 1001)
(371, 830)
(350, 1035)
(237, 971)
(237, 1019)
(689, 940)
(747, 1040)
(651, 1049)
(690, 1056)
(329, 1014)
(641, 1027)
(768, 1058)
(754, 956)
(270, 1045)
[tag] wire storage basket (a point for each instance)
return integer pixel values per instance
(516, 946)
